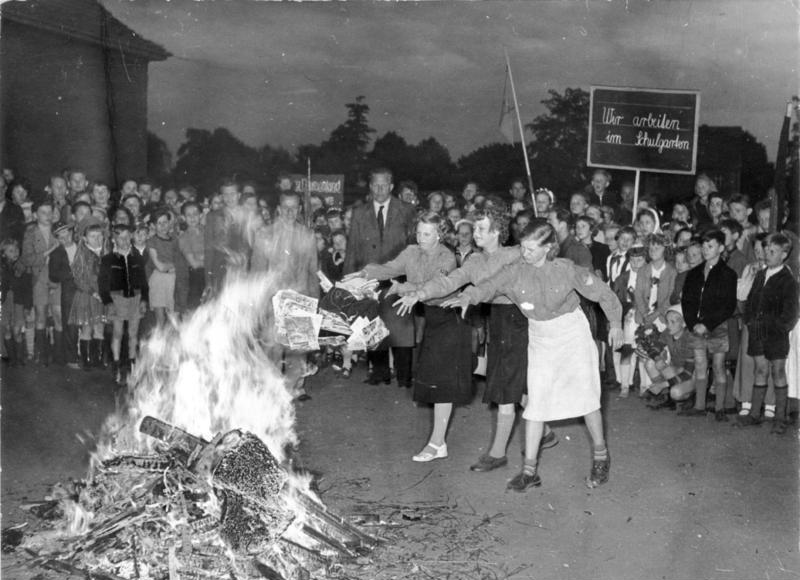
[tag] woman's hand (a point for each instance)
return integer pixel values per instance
(615, 338)
(461, 301)
(405, 304)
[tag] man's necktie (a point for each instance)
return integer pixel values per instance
(381, 223)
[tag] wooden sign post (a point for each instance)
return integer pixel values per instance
(643, 130)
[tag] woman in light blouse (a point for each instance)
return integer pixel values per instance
(444, 372)
(563, 375)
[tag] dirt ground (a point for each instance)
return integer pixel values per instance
(688, 497)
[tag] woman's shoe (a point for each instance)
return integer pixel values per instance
(431, 452)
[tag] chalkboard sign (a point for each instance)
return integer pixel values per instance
(643, 129)
(330, 188)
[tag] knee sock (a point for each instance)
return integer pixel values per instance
(529, 466)
(781, 398)
(505, 422)
(759, 391)
(700, 386)
(745, 410)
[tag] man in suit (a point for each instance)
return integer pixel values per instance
(226, 248)
(379, 231)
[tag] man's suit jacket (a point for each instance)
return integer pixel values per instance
(365, 244)
(34, 247)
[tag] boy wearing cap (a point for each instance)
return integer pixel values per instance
(123, 289)
(672, 370)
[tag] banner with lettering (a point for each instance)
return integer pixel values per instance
(643, 129)
(330, 188)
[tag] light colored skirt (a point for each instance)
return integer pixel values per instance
(162, 290)
(563, 369)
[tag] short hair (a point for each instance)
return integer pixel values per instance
(657, 240)
(630, 230)
(519, 180)
(8, 243)
(525, 212)
(45, 201)
(93, 228)
(77, 204)
(740, 198)
(119, 228)
(287, 194)
(732, 225)
(333, 212)
(602, 172)
(340, 232)
(498, 220)
(189, 189)
(760, 237)
(407, 184)
(582, 194)
(762, 205)
(380, 171)
(585, 218)
(704, 177)
(228, 182)
(562, 214)
(782, 241)
(713, 234)
(134, 196)
(716, 194)
(190, 204)
(127, 212)
(433, 218)
(160, 212)
(540, 230)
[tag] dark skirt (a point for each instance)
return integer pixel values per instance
(507, 355)
(444, 370)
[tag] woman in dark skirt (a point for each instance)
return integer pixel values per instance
(507, 353)
(444, 371)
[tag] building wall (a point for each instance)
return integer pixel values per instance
(55, 112)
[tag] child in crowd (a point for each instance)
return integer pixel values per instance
(716, 207)
(647, 222)
(15, 287)
(192, 246)
(162, 250)
(37, 245)
(60, 271)
(465, 246)
(618, 260)
(87, 309)
(624, 287)
(708, 301)
(122, 285)
(672, 370)
(740, 210)
(733, 256)
(681, 268)
(770, 314)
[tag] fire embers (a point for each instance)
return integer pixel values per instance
(197, 509)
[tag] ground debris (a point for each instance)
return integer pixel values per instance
(231, 512)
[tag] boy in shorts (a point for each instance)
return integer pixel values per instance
(708, 300)
(123, 289)
(672, 370)
(770, 314)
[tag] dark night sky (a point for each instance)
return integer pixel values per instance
(280, 73)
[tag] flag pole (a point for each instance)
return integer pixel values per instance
(521, 132)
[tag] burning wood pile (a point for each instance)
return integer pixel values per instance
(195, 509)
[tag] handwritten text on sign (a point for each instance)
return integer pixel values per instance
(328, 187)
(647, 129)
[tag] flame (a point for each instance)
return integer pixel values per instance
(209, 374)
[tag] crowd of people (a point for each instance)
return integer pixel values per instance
(697, 303)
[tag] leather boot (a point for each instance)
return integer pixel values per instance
(58, 348)
(86, 361)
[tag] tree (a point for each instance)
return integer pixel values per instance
(345, 151)
(491, 166)
(560, 139)
(205, 158)
(427, 163)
